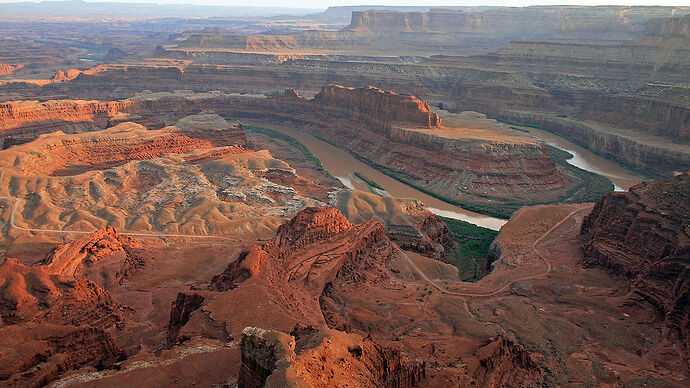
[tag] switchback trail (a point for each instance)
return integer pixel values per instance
(504, 287)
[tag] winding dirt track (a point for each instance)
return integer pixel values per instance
(133, 234)
(504, 287)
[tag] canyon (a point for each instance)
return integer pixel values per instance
(386, 129)
(374, 196)
(629, 105)
(655, 216)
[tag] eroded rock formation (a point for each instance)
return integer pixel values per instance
(73, 259)
(60, 154)
(55, 320)
(386, 129)
(276, 359)
(643, 235)
(375, 106)
(310, 274)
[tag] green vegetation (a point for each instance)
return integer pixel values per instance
(519, 129)
(470, 254)
(371, 184)
(288, 139)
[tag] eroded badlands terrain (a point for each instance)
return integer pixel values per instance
(168, 215)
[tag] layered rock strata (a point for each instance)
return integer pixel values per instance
(55, 320)
(276, 359)
(310, 274)
(643, 235)
(377, 126)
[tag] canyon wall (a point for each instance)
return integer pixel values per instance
(376, 107)
(645, 156)
(53, 319)
(649, 114)
(642, 235)
(376, 125)
(566, 23)
(673, 27)
(30, 118)
(276, 359)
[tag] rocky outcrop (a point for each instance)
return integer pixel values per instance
(505, 363)
(36, 294)
(65, 75)
(60, 154)
(71, 260)
(8, 69)
(375, 106)
(643, 235)
(408, 223)
(317, 247)
(33, 355)
(52, 324)
(309, 357)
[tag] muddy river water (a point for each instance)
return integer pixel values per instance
(343, 165)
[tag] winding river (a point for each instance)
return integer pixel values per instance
(343, 165)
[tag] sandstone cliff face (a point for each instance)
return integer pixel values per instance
(644, 236)
(276, 359)
(29, 118)
(376, 106)
(53, 322)
(673, 27)
(566, 23)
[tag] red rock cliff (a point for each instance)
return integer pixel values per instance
(376, 106)
(53, 319)
(312, 358)
(644, 235)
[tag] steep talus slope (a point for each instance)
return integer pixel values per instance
(643, 235)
